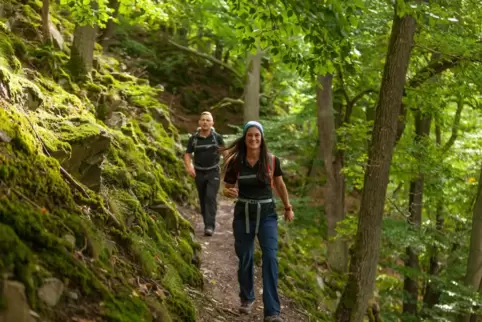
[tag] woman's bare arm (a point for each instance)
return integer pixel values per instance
(282, 191)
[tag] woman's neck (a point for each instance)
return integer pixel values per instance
(253, 154)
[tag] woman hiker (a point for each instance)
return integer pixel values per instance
(256, 173)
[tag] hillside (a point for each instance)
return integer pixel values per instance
(90, 182)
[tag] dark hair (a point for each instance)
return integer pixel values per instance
(237, 155)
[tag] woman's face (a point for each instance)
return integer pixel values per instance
(253, 138)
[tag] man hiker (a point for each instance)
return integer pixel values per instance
(205, 144)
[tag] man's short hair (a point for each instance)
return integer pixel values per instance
(207, 113)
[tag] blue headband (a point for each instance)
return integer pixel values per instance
(251, 124)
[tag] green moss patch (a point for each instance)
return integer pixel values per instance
(141, 177)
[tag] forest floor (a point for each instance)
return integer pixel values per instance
(219, 300)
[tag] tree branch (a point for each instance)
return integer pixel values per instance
(351, 103)
(455, 126)
(434, 68)
(226, 102)
(208, 57)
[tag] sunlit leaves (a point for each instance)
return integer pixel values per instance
(88, 12)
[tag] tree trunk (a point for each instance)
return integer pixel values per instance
(432, 291)
(218, 54)
(82, 51)
(473, 278)
(46, 21)
(335, 180)
(364, 259)
(226, 56)
(106, 37)
(252, 89)
(415, 206)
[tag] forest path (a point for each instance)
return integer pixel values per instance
(219, 301)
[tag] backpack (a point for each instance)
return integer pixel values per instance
(271, 165)
(196, 135)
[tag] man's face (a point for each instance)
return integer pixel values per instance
(206, 122)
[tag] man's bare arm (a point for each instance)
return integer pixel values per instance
(188, 164)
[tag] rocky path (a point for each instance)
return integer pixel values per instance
(219, 301)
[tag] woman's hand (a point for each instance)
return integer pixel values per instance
(231, 192)
(289, 214)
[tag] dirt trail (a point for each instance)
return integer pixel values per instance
(219, 301)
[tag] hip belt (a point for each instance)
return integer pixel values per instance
(258, 203)
(206, 168)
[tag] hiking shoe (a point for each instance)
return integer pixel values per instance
(273, 318)
(208, 232)
(246, 307)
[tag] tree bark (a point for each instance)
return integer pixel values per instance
(82, 51)
(415, 206)
(473, 277)
(335, 180)
(252, 88)
(46, 21)
(364, 259)
(106, 37)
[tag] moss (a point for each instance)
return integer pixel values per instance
(3, 27)
(7, 53)
(145, 253)
(127, 308)
(59, 149)
(92, 87)
(77, 130)
(17, 258)
(186, 250)
(141, 169)
(178, 303)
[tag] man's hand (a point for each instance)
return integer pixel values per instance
(191, 172)
(231, 192)
(289, 215)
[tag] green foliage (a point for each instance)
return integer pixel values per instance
(88, 12)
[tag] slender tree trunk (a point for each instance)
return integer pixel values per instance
(252, 89)
(364, 259)
(46, 21)
(183, 35)
(226, 56)
(106, 37)
(335, 180)
(415, 206)
(218, 54)
(82, 51)
(432, 290)
(473, 277)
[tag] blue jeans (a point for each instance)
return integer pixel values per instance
(244, 246)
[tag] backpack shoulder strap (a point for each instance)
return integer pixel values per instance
(215, 137)
(271, 166)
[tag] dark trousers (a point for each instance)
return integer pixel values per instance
(207, 183)
(244, 246)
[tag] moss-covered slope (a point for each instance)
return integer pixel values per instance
(90, 176)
